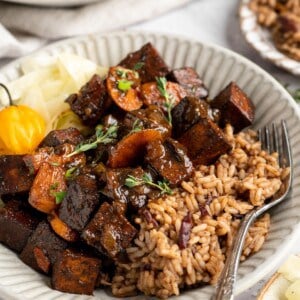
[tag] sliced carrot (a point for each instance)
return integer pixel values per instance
(123, 86)
(49, 181)
(131, 148)
(61, 228)
(152, 96)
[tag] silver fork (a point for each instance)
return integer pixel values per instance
(271, 142)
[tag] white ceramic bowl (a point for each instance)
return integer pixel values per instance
(218, 67)
(260, 39)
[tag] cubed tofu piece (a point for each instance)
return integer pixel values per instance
(187, 113)
(42, 248)
(75, 272)
(91, 102)
(170, 160)
(235, 107)
(109, 232)
(80, 201)
(188, 78)
(148, 118)
(147, 62)
(205, 142)
(17, 223)
(58, 137)
(15, 177)
(136, 197)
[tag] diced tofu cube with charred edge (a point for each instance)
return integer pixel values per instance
(42, 248)
(149, 118)
(130, 150)
(205, 142)
(57, 137)
(170, 160)
(80, 201)
(109, 232)
(147, 62)
(136, 197)
(235, 107)
(91, 102)
(187, 113)
(49, 181)
(17, 223)
(15, 177)
(75, 272)
(188, 78)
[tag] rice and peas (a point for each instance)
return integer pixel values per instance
(183, 238)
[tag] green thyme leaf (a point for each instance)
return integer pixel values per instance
(124, 85)
(101, 138)
(59, 196)
(138, 65)
(161, 83)
(70, 173)
(137, 126)
(132, 181)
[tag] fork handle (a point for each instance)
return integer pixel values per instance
(225, 286)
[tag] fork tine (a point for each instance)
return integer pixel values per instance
(285, 157)
(275, 138)
(267, 139)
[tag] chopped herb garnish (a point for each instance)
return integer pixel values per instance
(70, 173)
(124, 85)
(161, 83)
(55, 164)
(132, 181)
(101, 138)
(59, 196)
(122, 73)
(137, 126)
(138, 65)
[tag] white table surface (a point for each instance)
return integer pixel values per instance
(215, 21)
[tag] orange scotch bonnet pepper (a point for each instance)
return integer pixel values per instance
(21, 128)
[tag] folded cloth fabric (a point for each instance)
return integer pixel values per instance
(54, 23)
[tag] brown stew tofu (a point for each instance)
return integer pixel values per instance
(15, 177)
(17, 223)
(75, 272)
(205, 142)
(109, 232)
(91, 102)
(188, 78)
(74, 207)
(80, 201)
(170, 160)
(235, 107)
(42, 248)
(147, 62)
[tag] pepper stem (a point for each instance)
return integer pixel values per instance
(8, 94)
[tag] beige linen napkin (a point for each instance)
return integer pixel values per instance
(54, 23)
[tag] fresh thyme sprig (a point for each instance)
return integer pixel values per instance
(161, 83)
(58, 195)
(138, 65)
(101, 138)
(132, 181)
(137, 126)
